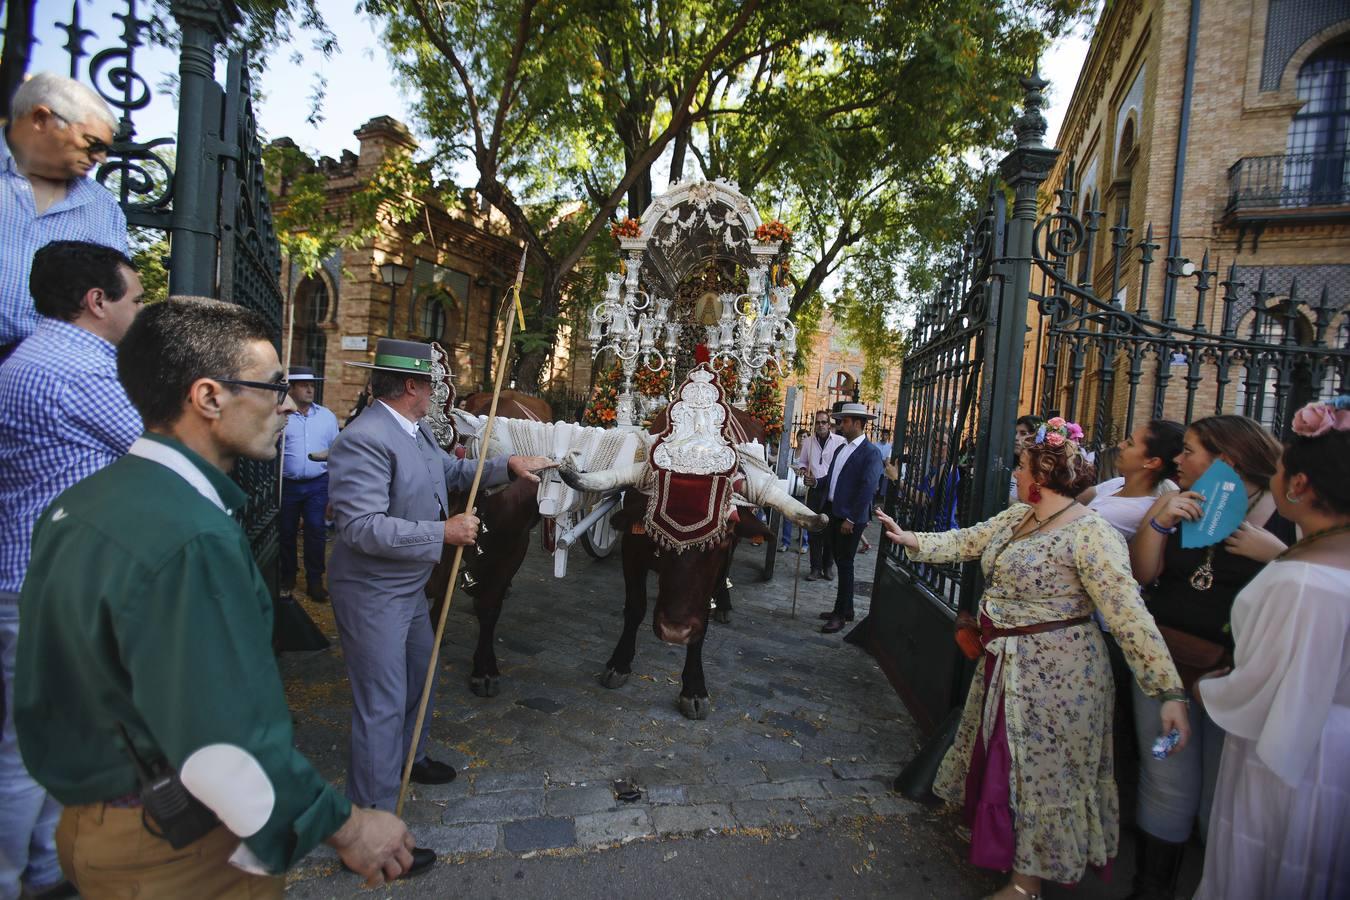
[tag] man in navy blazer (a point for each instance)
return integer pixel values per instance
(849, 489)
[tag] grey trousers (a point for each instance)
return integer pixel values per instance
(387, 645)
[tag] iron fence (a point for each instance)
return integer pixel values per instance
(1187, 346)
(1105, 342)
(202, 189)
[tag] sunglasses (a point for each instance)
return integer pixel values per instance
(95, 147)
(92, 145)
(278, 387)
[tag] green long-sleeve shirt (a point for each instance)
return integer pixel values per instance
(142, 605)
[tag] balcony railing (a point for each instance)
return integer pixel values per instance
(1290, 183)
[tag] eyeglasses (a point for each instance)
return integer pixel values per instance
(95, 147)
(279, 387)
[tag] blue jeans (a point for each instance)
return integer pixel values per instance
(786, 539)
(307, 500)
(1175, 792)
(28, 816)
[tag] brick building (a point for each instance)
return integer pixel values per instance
(461, 263)
(834, 371)
(1264, 168)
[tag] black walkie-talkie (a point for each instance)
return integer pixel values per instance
(181, 817)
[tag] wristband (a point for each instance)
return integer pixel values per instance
(1153, 523)
(1178, 696)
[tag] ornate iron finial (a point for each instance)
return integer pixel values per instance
(1031, 126)
(76, 35)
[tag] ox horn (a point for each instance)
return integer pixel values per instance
(762, 489)
(601, 482)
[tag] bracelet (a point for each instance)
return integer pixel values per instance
(1179, 696)
(1153, 523)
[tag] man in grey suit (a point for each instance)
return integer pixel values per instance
(389, 485)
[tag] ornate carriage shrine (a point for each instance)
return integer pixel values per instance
(699, 267)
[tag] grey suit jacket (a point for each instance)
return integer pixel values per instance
(389, 493)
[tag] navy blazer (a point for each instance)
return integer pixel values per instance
(857, 483)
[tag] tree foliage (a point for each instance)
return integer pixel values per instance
(854, 122)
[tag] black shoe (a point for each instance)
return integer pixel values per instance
(422, 860)
(828, 576)
(318, 593)
(826, 616)
(834, 626)
(814, 576)
(429, 771)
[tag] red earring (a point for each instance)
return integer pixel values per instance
(1034, 493)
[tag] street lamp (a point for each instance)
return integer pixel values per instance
(394, 275)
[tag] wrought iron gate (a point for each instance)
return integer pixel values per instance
(207, 195)
(1254, 347)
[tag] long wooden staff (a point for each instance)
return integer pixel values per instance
(459, 551)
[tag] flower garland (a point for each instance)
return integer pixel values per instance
(1320, 417)
(773, 231)
(626, 228)
(765, 403)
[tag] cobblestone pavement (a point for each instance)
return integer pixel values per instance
(805, 731)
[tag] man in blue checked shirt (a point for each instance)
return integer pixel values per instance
(63, 416)
(310, 430)
(60, 130)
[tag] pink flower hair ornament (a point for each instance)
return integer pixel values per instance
(1058, 432)
(1316, 419)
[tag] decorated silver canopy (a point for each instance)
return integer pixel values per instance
(688, 228)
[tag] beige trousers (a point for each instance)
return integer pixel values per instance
(105, 851)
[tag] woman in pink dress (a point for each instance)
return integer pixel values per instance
(1280, 825)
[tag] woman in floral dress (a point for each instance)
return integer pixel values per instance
(1032, 764)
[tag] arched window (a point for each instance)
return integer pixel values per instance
(435, 316)
(1317, 171)
(310, 342)
(841, 387)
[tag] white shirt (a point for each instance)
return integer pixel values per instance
(1125, 514)
(408, 425)
(815, 458)
(841, 457)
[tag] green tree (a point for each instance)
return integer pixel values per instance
(843, 115)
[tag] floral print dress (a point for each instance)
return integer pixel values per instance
(1050, 693)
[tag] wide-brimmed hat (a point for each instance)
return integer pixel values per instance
(301, 373)
(853, 411)
(406, 357)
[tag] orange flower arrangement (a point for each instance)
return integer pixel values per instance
(764, 394)
(773, 231)
(625, 228)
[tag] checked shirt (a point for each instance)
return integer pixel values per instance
(63, 416)
(88, 212)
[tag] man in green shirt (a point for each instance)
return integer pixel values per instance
(145, 618)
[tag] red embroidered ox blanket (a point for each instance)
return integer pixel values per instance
(692, 463)
(688, 511)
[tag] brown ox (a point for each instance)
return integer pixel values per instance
(512, 405)
(507, 518)
(686, 580)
